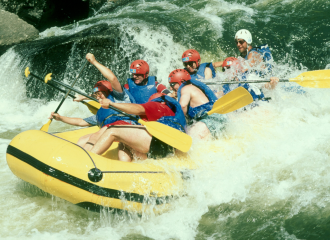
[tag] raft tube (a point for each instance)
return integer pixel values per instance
(55, 164)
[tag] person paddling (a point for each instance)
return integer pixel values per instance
(111, 89)
(258, 60)
(141, 85)
(197, 70)
(196, 99)
(136, 140)
(233, 71)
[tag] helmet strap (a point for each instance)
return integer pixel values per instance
(198, 64)
(144, 82)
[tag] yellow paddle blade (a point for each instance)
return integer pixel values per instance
(92, 106)
(313, 79)
(232, 101)
(27, 72)
(168, 135)
(46, 126)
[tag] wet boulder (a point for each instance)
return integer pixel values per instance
(14, 30)
(44, 14)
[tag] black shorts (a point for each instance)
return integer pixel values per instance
(159, 149)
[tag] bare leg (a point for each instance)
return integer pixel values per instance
(135, 137)
(124, 153)
(93, 139)
(83, 140)
(199, 130)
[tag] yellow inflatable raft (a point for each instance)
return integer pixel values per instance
(55, 164)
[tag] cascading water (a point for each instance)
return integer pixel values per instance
(268, 176)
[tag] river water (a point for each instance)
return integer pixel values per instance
(267, 177)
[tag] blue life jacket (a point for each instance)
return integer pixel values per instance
(131, 98)
(197, 112)
(107, 116)
(200, 74)
(255, 92)
(267, 57)
(178, 121)
(142, 93)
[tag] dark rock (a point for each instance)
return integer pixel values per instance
(28, 10)
(47, 13)
(14, 30)
(64, 55)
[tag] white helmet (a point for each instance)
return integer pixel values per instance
(244, 34)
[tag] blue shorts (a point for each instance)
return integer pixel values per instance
(216, 123)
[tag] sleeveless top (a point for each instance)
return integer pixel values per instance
(197, 112)
(142, 93)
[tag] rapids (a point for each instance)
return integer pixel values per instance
(267, 177)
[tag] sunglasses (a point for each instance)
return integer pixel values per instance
(173, 84)
(188, 63)
(138, 75)
(97, 94)
(240, 42)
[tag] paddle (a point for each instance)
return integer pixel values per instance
(46, 126)
(169, 135)
(311, 79)
(92, 105)
(232, 101)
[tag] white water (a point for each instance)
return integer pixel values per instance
(271, 155)
(278, 151)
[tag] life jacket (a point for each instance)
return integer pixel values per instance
(267, 57)
(178, 121)
(200, 74)
(255, 92)
(142, 93)
(131, 98)
(197, 112)
(107, 116)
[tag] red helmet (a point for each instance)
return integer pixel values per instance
(139, 67)
(102, 86)
(191, 55)
(178, 76)
(156, 95)
(228, 62)
(232, 62)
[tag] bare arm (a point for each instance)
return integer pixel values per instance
(106, 72)
(217, 64)
(208, 73)
(272, 83)
(254, 59)
(130, 108)
(172, 95)
(72, 121)
(80, 98)
(184, 100)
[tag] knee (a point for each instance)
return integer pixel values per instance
(199, 130)
(112, 131)
(82, 140)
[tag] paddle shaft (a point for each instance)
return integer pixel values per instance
(237, 82)
(85, 95)
(57, 88)
(68, 92)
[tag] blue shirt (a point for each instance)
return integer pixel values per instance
(118, 98)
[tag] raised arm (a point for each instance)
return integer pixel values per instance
(106, 72)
